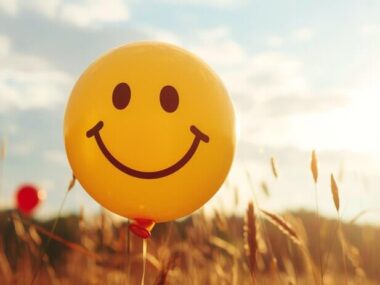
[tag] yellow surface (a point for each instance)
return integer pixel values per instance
(145, 137)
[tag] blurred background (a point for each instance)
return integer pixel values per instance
(302, 76)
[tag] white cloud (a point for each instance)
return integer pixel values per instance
(300, 35)
(162, 35)
(213, 34)
(216, 47)
(260, 76)
(46, 8)
(88, 12)
(8, 129)
(213, 3)
(27, 82)
(20, 148)
(274, 41)
(55, 156)
(5, 45)
(303, 34)
(83, 13)
(264, 76)
(370, 30)
(276, 74)
(10, 7)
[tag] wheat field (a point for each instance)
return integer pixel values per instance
(260, 247)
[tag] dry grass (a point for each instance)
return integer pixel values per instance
(274, 167)
(250, 238)
(195, 251)
(335, 192)
(260, 248)
(282, 225)
(314, 166)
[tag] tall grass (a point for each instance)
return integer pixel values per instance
(261, 247)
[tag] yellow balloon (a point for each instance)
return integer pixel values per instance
(150, 131)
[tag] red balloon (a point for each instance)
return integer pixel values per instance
(27, 198)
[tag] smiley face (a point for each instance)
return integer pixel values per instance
(169, 102)
(149, 131)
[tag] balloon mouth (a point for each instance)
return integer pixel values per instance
(142, 228)
(198, 137)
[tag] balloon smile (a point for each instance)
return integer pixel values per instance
(198, 137)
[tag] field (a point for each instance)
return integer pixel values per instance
(259, 248)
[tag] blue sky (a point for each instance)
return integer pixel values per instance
(302, 75)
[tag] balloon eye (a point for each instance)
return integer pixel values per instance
(169, 99)
(121, 96)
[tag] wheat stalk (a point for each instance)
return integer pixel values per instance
(225, 245)
(335, 192)
(236, 196)
(5, 268)
(250, 237)
(314, 166)
(220, 221)
(352, 253)
(357, 216)
(274, 167)
(164, 272)
(281, 224)
(314, 172)
(264, 188)
(335, 195)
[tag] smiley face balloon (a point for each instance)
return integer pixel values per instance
(150, 131)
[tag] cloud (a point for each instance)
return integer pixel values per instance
(23, 90)
(28, 89)
(369, 30)
(262, 77)
(161, 35)
(276, 74)
(303, 34)
(217, 48)
(89, 12)
(10, 7)
(300, 35)
(301, 104)
(267, 86)
(64, 46)
(28, 82)
(83, 13)
(5, 44)
(45, 8)
(55, 156)
(274, 41)
(212, 3)
(21, 148)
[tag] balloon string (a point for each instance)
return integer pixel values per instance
(144, 261)
(52, 230)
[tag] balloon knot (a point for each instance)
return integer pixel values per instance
(142, 227)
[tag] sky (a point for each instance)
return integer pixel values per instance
(302, 75)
